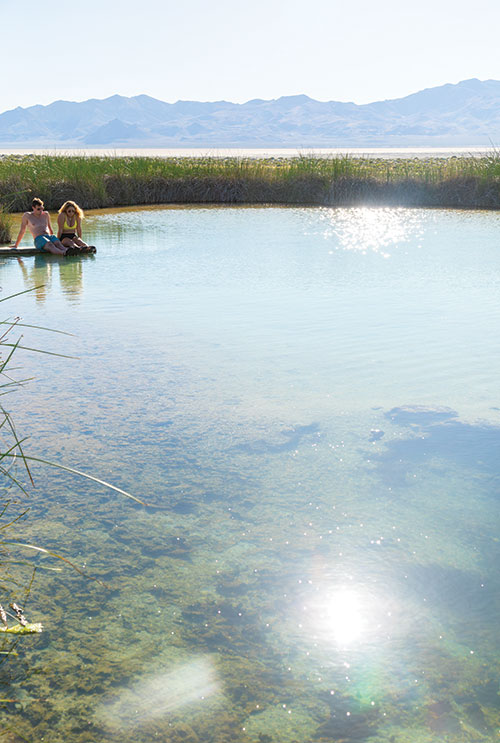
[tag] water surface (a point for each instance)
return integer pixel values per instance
(384, 152)
(308, 397)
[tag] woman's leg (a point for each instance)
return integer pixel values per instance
(76, 243)
(71, 246)
(83, 245)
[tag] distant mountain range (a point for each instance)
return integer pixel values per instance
(467, 113)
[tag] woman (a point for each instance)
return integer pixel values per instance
(69, 222)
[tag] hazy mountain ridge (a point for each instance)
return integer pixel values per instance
(467, 113)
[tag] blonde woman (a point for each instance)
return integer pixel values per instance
(69, 223)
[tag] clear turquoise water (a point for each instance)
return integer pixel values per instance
(310, 397)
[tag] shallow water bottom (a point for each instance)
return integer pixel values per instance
(317, 562)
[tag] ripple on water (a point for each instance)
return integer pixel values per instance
(325, 569)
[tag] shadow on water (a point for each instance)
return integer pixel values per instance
(468, 596)
(348, 720)
(437, 434)
(292, 436)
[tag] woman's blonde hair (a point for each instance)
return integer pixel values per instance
(78, 210)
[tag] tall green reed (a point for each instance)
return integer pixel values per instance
(5, 225)
(104, 181)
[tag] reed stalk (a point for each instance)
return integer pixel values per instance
(14, 492)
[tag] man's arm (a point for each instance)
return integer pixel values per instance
(24, 224)
(51, 231)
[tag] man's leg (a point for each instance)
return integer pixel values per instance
(55, 246)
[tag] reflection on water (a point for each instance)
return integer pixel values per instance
(311, 397)
(38, 274)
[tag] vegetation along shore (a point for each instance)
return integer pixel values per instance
(99, 182)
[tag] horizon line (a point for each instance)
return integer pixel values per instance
(250, 100)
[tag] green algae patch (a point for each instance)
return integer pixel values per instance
(280, 723)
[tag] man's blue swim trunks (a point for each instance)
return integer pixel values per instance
(42, 240)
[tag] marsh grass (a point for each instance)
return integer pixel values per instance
(5, 225)
(97, 181)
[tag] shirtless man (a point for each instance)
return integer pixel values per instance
(38, 222)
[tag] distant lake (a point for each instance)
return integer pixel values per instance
(309, 399)
(388, 152)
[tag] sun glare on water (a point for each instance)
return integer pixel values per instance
(348, 617)
(369, 229)
(343, 616)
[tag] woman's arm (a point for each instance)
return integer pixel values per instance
(79, 227)
(60, 222)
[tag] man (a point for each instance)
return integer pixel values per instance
(38, 223)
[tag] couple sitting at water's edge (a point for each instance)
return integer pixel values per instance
(69, 233)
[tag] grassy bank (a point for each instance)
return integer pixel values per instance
(95, 182)
(5, 226)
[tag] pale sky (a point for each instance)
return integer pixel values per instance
(344, 50)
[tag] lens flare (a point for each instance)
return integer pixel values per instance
(161, 695)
